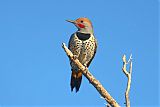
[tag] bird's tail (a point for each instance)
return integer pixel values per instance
(76, 79)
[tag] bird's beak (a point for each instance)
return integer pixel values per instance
(71, 21)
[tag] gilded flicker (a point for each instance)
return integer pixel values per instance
(83, 45)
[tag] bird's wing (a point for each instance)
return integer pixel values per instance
(72, 45)
(95, 50)
(70, 41)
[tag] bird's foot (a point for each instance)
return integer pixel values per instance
(85, 65)
(75, 57)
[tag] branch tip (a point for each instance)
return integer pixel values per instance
(63, 44)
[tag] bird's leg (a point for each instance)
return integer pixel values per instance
(85, 65)
(75, 57)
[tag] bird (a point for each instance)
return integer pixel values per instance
(83, 45)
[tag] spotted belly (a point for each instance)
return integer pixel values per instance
(87, 52)
(83, 49)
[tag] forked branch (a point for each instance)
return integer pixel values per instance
(128, 75)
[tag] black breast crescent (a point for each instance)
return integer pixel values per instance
(83, 36)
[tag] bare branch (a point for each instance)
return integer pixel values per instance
(91, 79)
(108, 105)
(128, 75)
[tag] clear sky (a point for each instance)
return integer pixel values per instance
(35, 71)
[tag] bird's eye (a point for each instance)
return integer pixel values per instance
(81, 21)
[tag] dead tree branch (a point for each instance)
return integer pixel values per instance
(91, 78)
(128, 75)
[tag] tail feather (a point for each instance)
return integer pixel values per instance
(73, 80)
(76, 79)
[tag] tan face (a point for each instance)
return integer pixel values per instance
(83, 23)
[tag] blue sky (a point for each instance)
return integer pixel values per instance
(34, 70)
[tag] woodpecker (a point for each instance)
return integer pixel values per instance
(83, 45)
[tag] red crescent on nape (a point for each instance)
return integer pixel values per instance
(81, 25)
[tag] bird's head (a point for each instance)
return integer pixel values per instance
(84, 25)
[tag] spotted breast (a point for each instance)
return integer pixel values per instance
(84, 47)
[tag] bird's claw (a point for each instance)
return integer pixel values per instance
(85, 65)
(75, 57)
